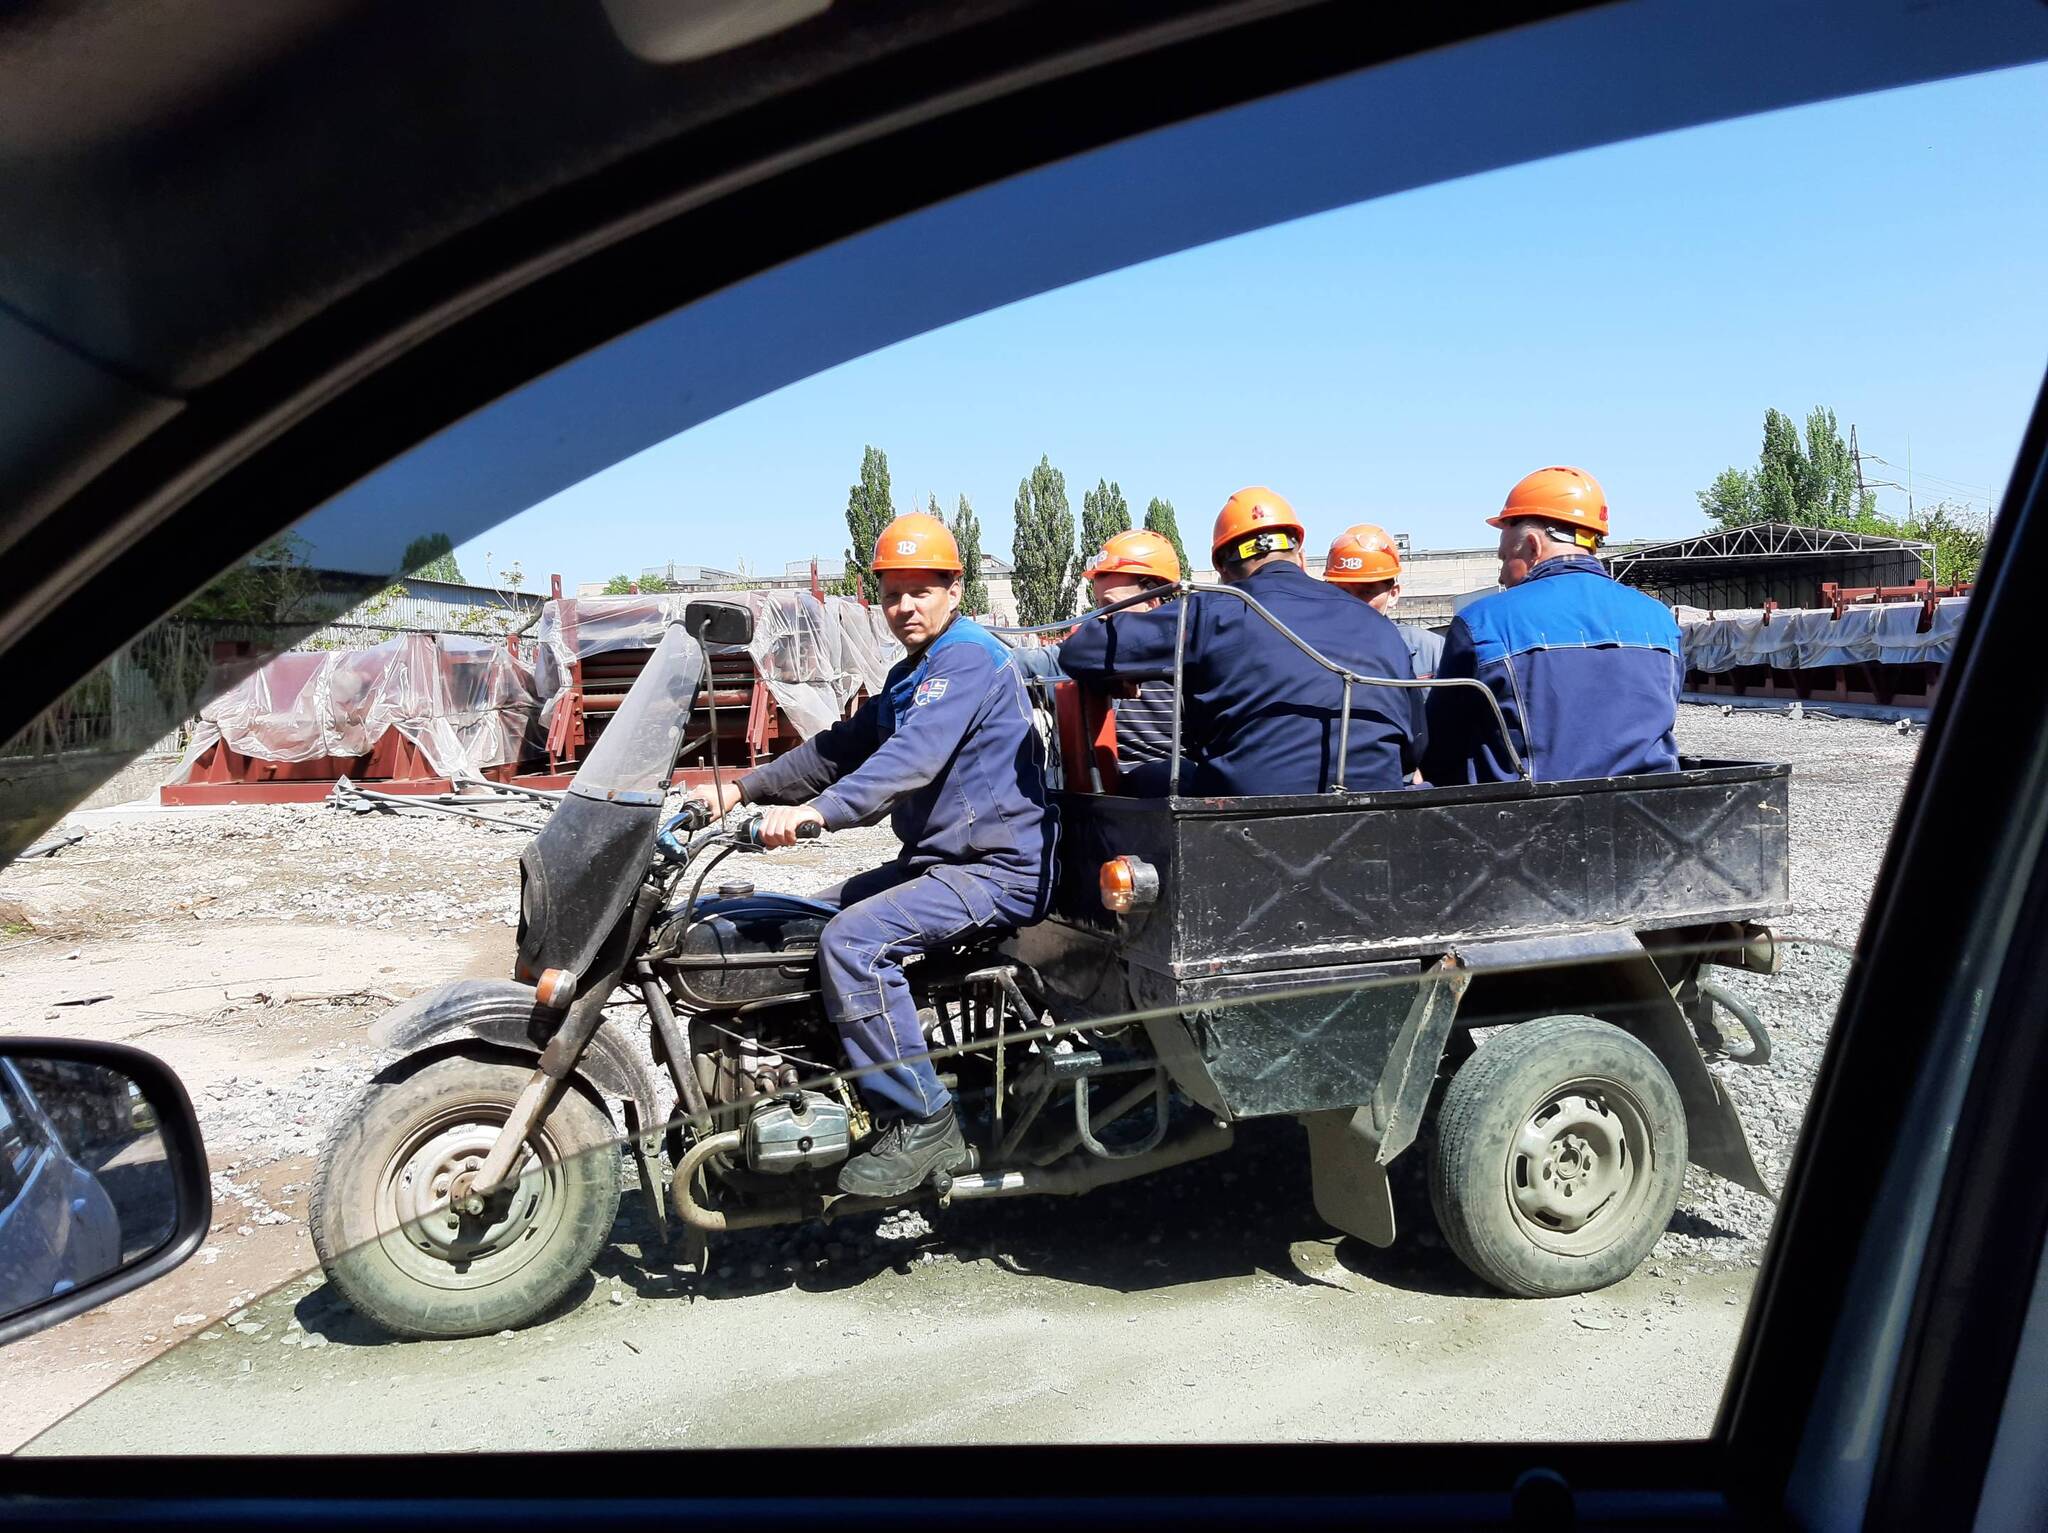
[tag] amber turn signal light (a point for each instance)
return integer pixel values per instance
(556, 988)
(1128, 883)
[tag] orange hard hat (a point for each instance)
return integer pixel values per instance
(1570, 497)
(1136, 552)
(1249, 513)
(1361, 556)
(917, 542)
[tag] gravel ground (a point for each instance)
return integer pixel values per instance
(1847, 779)
(302, 894)
(253, 947)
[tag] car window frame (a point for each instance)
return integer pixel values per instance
(1754, 1453)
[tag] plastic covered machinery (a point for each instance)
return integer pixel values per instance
(421, 711)
(810, 658)
(1874, 648)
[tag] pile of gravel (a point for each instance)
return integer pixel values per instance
(269, 1118)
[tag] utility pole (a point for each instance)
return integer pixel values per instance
(1856, 458)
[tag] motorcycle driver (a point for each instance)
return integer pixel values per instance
(948, 750)
(1260, 716)
(1364, 561)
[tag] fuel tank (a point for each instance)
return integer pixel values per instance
(732, 951)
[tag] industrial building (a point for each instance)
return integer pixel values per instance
(1737, 568)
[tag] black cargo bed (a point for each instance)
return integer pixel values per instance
(1259, 884)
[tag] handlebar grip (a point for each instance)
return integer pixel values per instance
(749, 834)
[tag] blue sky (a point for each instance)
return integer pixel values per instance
(1630, 309)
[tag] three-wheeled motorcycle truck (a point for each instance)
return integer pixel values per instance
(1521, 960)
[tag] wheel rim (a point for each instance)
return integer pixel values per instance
(1579, 1166)
(436, 1245)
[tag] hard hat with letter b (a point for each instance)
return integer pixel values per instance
(1255, 521)
(1565, 497)
(1362, 555)
(1136, 552)
(917, 542)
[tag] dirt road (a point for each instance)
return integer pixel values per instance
(252, 948)
(1203, 1305)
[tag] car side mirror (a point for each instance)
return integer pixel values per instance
(103, 1179)
(720, 622)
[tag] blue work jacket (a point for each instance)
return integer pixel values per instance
(947, 749)
(1587, 673)
(1259, 716)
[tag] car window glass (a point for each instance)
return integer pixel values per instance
(1461, 1105)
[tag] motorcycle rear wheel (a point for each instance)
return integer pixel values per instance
(391, 1245)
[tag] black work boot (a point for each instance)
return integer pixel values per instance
(903, 1154)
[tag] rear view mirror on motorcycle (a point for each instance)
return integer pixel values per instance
(719, 622)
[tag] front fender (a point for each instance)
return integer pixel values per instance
(505, 1013)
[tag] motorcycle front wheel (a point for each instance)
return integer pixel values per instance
(393, 1247)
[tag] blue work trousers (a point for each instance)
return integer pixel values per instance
(886, 914)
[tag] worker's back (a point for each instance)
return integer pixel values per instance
(1259, 716)
(1587, 673)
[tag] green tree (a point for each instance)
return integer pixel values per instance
(1048, 570)
(1159, 519)
(869, 508)
(1103, 515)
(431, 557)
(966, 529)
(276, 585)
(1731, 498)
(619, 585)
(1811, 484)
(1957, 533)
(1828, 474)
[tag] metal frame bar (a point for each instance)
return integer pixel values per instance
(1349, 678)
(1764, 540)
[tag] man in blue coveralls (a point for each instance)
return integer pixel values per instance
(1259, 716)
(1587, 672)
(948, 750)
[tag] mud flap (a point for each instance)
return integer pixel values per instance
(1713, 1129)
(1349, 1183)
(1349, 1150)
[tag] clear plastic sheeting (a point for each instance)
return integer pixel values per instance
(467, 704)
(1803, 640)
(814, 656)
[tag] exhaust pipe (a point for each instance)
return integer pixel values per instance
(1084, 1173)
(1070, 1178)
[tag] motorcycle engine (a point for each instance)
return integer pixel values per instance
(797, 1129)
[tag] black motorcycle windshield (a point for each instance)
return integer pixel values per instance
(579, 874)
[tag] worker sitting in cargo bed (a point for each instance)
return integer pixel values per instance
(1258, 715)
(1130, 564)
(1586, 671)
(1363, 562)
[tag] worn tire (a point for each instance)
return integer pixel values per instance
(501, 1271)
(1547, 1112)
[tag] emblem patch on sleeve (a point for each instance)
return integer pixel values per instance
(929, 691)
